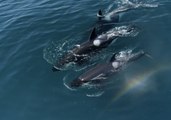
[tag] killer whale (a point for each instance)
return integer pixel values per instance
(114, 15)
(110, 17)
(101, 72)
(84, 50)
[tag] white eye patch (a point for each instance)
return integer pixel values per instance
(96, 42)
(115, 65)
(82, 79)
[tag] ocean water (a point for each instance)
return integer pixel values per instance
(33, 34)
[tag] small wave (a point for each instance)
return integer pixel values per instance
(145, 5)
(126, 5)
(66, 84)
(124, 31)
(93, 90)
(109, 8)
(160, 16)
(138, 3)
(98, 94)
(54, 50)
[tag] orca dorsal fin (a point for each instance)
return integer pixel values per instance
(100, 12)
(93, 34)
(113, 57)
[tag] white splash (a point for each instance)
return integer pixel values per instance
(98, 94)
(123, 31)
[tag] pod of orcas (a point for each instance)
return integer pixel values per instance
(95, 42)
(93, 45)
(86, 49)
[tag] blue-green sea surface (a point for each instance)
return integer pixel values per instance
(34, 34)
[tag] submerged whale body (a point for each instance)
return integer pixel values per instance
(101, 72)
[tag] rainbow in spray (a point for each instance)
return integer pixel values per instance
(139, 79)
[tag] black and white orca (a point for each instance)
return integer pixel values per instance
(101, 72)
(114, 15)
(85, 49)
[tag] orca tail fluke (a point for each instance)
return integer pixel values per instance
(100, 12)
